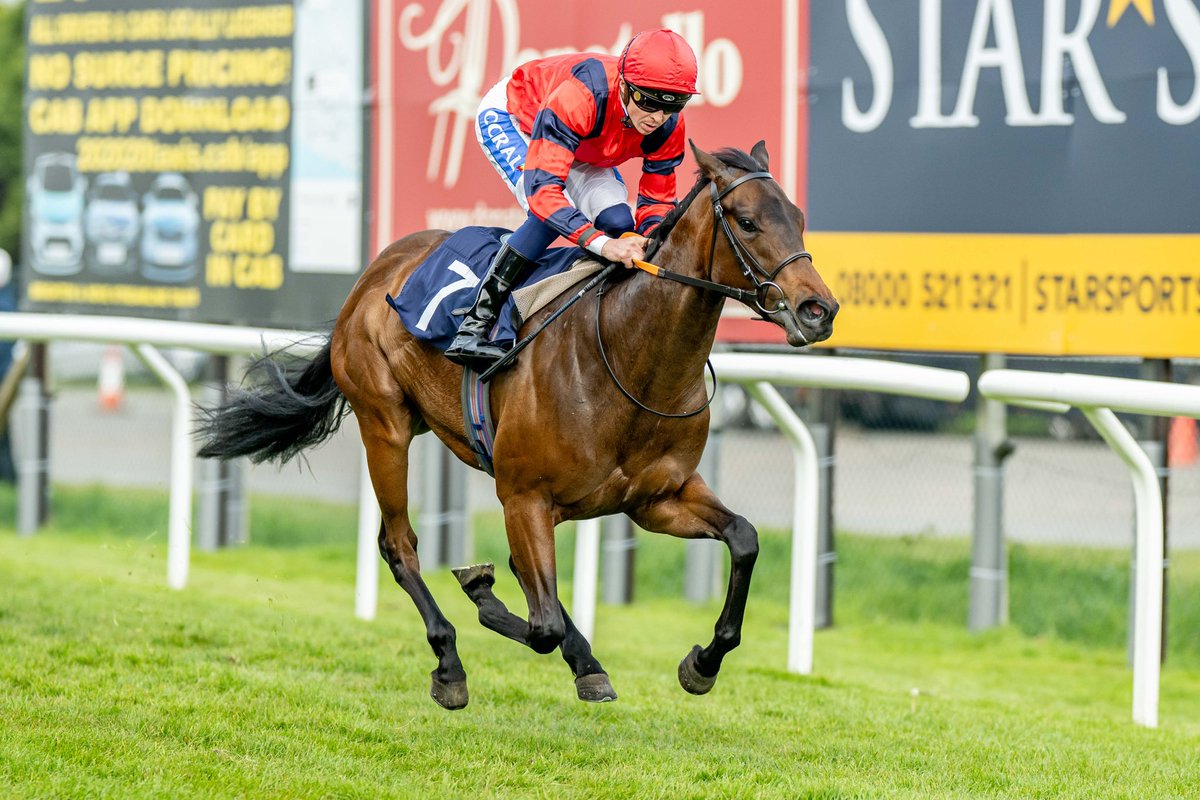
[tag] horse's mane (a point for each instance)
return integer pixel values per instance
(730, 156)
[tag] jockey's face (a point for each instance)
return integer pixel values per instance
(644, 122)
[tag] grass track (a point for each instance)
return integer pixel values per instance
(257, 681)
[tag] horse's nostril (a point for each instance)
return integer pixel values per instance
(812, 309)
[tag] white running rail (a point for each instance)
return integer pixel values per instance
(145, 335)
(757, 372)
(1098, 397)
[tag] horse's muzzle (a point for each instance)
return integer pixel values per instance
(811, 321)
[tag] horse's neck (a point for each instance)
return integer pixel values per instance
(666, 329)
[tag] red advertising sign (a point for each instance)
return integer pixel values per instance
(434, 59)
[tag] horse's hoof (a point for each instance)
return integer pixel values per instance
(595, 688)
(476, 572)
(689, 675)
(451, 695)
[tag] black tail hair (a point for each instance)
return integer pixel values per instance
(291, 404)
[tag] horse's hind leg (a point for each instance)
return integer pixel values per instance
(694, 512)
(477, 581)
(591, 681)
(387, 445)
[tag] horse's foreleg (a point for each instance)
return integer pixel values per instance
(694, 512)
(591, 681)
(387, 458)
(530, 529)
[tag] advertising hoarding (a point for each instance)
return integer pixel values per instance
(434, 60)
(988, 175)
(194, 160)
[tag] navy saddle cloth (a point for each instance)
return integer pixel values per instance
(449, 278)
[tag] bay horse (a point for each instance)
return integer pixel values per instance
(603, 414)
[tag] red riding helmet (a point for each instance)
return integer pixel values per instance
(660, 60)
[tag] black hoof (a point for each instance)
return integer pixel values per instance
(595, 688)
(451, 696)
(689, 675)
(467, 576)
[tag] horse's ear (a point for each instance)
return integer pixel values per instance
(759, 152)
(710, 165)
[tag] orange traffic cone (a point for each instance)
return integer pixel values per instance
(1182, 446)
(111, 382)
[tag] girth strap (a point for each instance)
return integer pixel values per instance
(478, 425)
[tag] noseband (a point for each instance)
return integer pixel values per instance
(746, 260)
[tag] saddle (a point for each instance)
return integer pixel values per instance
(439, 291)
(443, 287)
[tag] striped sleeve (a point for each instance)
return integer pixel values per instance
(570, 113)
(662, 155)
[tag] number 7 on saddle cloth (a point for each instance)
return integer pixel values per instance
(449, 279)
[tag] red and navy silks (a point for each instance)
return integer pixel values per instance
(450, 279)
(571, 109)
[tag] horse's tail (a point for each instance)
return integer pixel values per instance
(291, 404)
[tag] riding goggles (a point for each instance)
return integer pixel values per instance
(652, 100)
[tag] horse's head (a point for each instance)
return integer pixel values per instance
(756, 238)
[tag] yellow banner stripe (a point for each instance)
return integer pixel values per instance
(1118, 294)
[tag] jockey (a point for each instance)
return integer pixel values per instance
(555, 130)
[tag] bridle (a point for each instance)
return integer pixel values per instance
(746, 260)
(760, 295)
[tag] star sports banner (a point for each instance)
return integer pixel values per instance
(1013, 176)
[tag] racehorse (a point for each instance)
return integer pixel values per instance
(606, 413)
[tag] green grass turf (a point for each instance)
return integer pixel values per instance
(257, 680)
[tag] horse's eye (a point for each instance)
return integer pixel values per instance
(747, 225)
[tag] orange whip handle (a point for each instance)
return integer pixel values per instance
(645, 266)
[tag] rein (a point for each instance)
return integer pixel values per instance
(624, 391)
(511, 355)
(744, 295)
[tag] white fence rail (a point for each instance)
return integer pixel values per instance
(755, 371)
(226, 339)
(145, 335)
(1098, 397)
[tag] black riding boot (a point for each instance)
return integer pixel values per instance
(471, 346)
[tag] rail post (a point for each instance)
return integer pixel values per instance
(989, 555)
(1098, 397)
